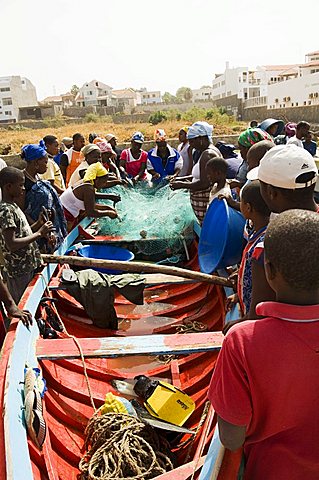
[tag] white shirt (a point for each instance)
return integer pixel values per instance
(295, 141)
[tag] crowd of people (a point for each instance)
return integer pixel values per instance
(266, 368)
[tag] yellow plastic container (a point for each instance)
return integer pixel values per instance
(170, 404)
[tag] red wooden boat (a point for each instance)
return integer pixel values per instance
(68, 401)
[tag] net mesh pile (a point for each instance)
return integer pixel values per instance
(158, 220)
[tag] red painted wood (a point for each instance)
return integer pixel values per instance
(67, 401)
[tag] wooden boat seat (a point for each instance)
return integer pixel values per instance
(175, 344)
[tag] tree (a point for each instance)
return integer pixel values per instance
(169, 98)
(184, 94)
(74, 89)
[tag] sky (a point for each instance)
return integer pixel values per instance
(160, 45)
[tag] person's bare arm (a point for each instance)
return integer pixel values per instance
(202, 183)
(14, 243)
(231, 436)
(11, 307)
(91, 208)
(141, 172)
(261, 291)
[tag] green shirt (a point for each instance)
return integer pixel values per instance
(26, 259)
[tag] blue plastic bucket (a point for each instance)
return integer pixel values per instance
(221, 238)
(105, 252)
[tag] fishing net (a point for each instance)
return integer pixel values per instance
(157, 221)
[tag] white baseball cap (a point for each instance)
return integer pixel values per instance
(282, 165)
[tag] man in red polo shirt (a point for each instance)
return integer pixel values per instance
(265, 387)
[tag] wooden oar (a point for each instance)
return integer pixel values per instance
(137, 267)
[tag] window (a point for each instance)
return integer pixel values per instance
(309, 102)
(5, 89)
(305, 103)
(7, 101)
(296, 104)
(153, 95)
(7, 112)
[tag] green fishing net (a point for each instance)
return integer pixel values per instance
(155, 221)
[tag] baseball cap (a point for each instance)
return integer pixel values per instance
(282, 165)
(138, 137)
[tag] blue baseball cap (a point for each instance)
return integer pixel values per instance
(137, 137)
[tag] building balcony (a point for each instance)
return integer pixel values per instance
(255, 102)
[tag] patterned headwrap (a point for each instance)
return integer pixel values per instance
(33, 152)
(185, 128)
(160, 135)
(95, 170)
(200, 129)
(253, 135)
(105, 147)
(290, 129)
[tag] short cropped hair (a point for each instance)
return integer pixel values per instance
(10, 175)
(77, 136)
(258, 150)
(251, 194)
(218, 164)
(49, 139)
(292, 245)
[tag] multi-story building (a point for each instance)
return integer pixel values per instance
(149, 98)
(94, 93)
(203, 93)
(127, 98)
(15, 92)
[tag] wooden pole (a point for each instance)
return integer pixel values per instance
(136, 267)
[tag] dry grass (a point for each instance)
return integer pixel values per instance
(123, 131)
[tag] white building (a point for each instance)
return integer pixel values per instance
(203, 93)
(15, 92)
(240, 81)
(296, 92)
(94, 93)
(127, 98)
(149, 98)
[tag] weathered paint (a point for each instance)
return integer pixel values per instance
(18, 464)
(213, 459)
(118, 346)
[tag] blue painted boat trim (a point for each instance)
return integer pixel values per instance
(211, 457)
(18, 462)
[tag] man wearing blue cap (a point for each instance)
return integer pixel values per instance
(133, 160)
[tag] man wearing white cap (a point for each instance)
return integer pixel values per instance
(287, 176)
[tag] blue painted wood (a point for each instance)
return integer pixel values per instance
(211, 458)
(23, 353)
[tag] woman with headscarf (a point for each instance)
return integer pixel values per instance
(186, 152)
(41, 197)
(80, 200)
(247, 139)
(91, 154)
(133, 160)
(272, 126)
(163, 161)
(200, 138)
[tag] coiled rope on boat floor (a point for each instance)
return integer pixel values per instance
(119, 446)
